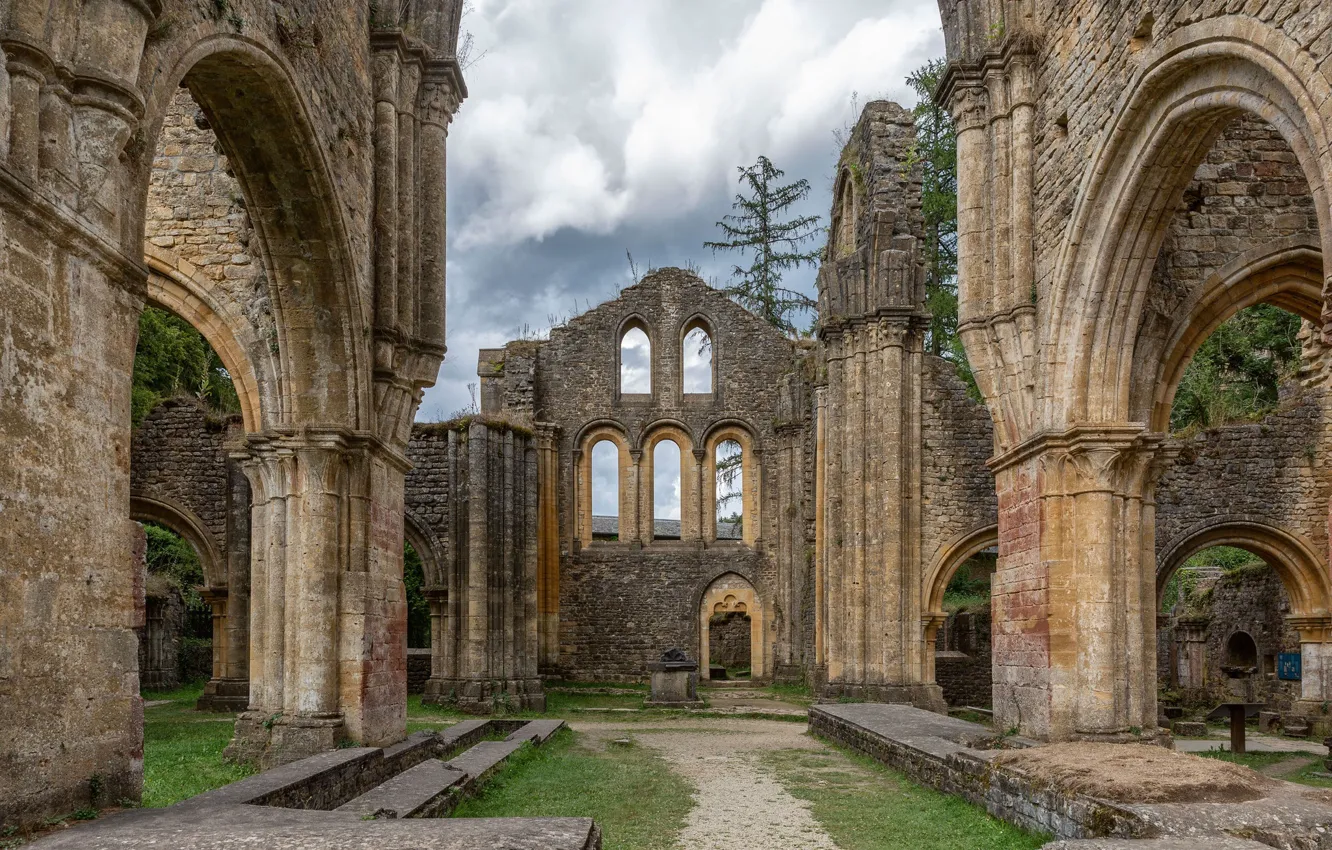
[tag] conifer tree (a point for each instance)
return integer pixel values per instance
(760, 228)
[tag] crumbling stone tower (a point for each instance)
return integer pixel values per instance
(297, 92)
(1080, 127)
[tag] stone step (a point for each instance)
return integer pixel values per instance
(484, 758)
(462, 734)
(428, 790)
(538, 731)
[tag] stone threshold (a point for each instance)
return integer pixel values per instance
(956, 757)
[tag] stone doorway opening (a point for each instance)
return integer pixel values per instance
(729, 650)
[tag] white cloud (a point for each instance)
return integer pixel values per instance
(596, 126)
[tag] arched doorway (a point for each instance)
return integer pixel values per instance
(731, 604)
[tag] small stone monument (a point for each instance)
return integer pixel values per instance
(674, 681)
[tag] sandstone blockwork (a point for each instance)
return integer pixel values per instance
(1130, 176)
(273, 172)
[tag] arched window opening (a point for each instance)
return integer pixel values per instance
(176, 641)
(697, 366)
(730, 490)
(605, 491)
(418, 608)
(730, 640)
(1236, 374)
(666, 491)
(635, 362)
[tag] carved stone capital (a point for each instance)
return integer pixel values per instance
(1313, 628)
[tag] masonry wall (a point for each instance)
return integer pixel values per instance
(957, 438)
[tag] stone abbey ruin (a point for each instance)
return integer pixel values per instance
(1131, 175)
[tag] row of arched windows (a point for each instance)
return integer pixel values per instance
(667, 490)
(696, 372)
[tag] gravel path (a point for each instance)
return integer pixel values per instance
(737, 805)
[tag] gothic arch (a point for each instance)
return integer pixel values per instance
(702, 322)
(427, 545)
(946, 561)
(295, 211)
(1295, 559)
(1189, 86)
(634, 322)
(720, 592)
(591, 434)
(175, 285)
(187, 524)
(751, 481)
(1287, 273)
(678, 433)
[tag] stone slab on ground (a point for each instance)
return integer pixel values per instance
(484, 757)
(228, 827)
(419, 792)
(926, 747)
(538, 731)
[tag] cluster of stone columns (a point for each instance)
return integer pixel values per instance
(872, 320)
(484, 630)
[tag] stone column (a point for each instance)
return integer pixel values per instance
(548, 545)
(229, 689)
(1315, 660)
(486, 658)
(328, 611)
(1074, 594)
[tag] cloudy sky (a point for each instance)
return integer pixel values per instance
(596, 127)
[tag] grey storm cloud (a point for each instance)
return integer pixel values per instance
(599, 127)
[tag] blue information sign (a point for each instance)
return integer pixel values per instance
(1288, 666)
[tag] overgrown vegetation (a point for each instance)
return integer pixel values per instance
(760, 227)
(969, 589)
(629, 790)
(1236, 373)
(173, 359)
(182, 748)
(418, 609)
(1182, 586)
(170, 556)
(866, 806)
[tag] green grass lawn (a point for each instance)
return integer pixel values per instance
(630, 791)
(182, 748)
(864, 805)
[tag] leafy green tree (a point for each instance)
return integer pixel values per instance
(171, 556)
(1237, 372)
(760, 227)
(935, 150)
(173, 359)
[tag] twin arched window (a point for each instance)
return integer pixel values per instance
(696, 361)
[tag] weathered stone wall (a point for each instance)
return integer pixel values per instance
(334, 121)
(1269, 472)
(957, 438)
(728, 640)
(621, 604)
(962, 662)
(178, 456)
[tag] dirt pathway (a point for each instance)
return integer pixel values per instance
(737, 805)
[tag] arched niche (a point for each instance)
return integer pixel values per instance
(846, 208)
(724, 594)
(751, 482)
(587, 440)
